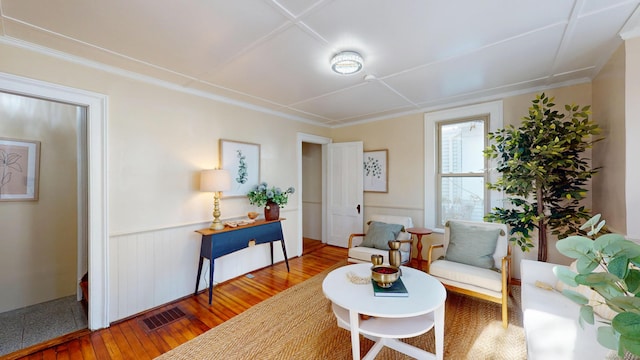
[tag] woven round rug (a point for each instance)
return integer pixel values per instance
(298, 324)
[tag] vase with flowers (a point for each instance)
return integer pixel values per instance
(271, 198)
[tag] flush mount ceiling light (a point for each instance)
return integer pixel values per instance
(347, 63)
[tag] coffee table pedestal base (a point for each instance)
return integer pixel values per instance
(387, 331)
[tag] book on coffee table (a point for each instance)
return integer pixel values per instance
(397, 289)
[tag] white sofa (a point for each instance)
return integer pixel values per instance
(550, 319)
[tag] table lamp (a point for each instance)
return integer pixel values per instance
(215, 181)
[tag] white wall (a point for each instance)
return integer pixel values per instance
(158, 140)
(632, 125)
(38, 246)
(609, 194)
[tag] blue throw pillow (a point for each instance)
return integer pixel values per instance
(380, 233)
(472, 244)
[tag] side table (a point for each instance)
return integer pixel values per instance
(418, 232)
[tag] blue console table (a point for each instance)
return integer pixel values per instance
(217, 243)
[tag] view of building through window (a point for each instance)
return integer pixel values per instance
(461, 170)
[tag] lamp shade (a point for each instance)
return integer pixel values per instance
(215, 180)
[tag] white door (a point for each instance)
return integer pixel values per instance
(344, 192)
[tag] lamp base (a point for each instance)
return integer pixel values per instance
(216, 225)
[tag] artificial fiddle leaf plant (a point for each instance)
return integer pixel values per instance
(543, 172)
(610, 266)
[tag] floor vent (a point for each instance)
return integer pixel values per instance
(161, 319)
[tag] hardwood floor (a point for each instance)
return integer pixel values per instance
(311, 245)
(132, 339)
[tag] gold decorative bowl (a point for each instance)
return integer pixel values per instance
(385, 275)
(252, 214)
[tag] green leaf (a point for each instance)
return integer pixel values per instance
(604, 282)
(574, 246)
(586, 314)
(575, 297)
(631, 344)
(633, 280)
(627, 324)
(626, 247)
(619, 266)
(626, 303)
(607, 337)
(586, 264)
(591, 222)
(565, 275)
(601, 243)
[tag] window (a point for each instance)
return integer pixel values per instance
(461, 170)
(455, 168)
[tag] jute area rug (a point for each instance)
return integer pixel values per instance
(298, 324)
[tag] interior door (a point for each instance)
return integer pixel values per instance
(344, 192)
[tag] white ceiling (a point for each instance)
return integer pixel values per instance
(274, 54)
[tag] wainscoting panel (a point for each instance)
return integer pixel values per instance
(151, 268)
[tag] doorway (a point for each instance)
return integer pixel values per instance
(96, 201)
(44, 240)
(311, 154)
(311, 193)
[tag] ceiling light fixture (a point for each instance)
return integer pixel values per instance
(347, 63)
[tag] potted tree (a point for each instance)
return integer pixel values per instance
(543, 172)
(610, 266)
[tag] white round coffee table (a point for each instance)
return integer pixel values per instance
(393, 318)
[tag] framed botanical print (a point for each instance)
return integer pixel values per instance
(19, 169)
(242, 160)
(376, 168)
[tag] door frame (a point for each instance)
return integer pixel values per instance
(97, 219)
(313, 139)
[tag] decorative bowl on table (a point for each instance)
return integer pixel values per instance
(385, 275)
(252, 215)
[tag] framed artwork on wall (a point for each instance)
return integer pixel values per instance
(376, 168)
(19, 169)
(242, 160)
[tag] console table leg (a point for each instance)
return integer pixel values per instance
(271, 248)
(284, 251)
(210, 280)
(198, 277)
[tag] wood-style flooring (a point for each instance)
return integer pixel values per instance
(131, 339)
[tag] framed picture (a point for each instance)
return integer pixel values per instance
(19, 167)
(242, 160)
(376, 176)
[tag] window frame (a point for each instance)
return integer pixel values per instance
(494, 111)
(440, 175)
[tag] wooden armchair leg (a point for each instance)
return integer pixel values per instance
(505, 315)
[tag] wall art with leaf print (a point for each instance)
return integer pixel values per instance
(376, 171)
(242, 160)
(19, 167)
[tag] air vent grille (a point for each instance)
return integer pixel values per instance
(161, 319)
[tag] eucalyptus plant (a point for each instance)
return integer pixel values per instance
(609, 265)
(543, 172)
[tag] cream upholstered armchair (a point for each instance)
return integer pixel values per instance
(475, 259)
(378, 231)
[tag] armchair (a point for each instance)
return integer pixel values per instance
(476, 261)
(361, 249)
